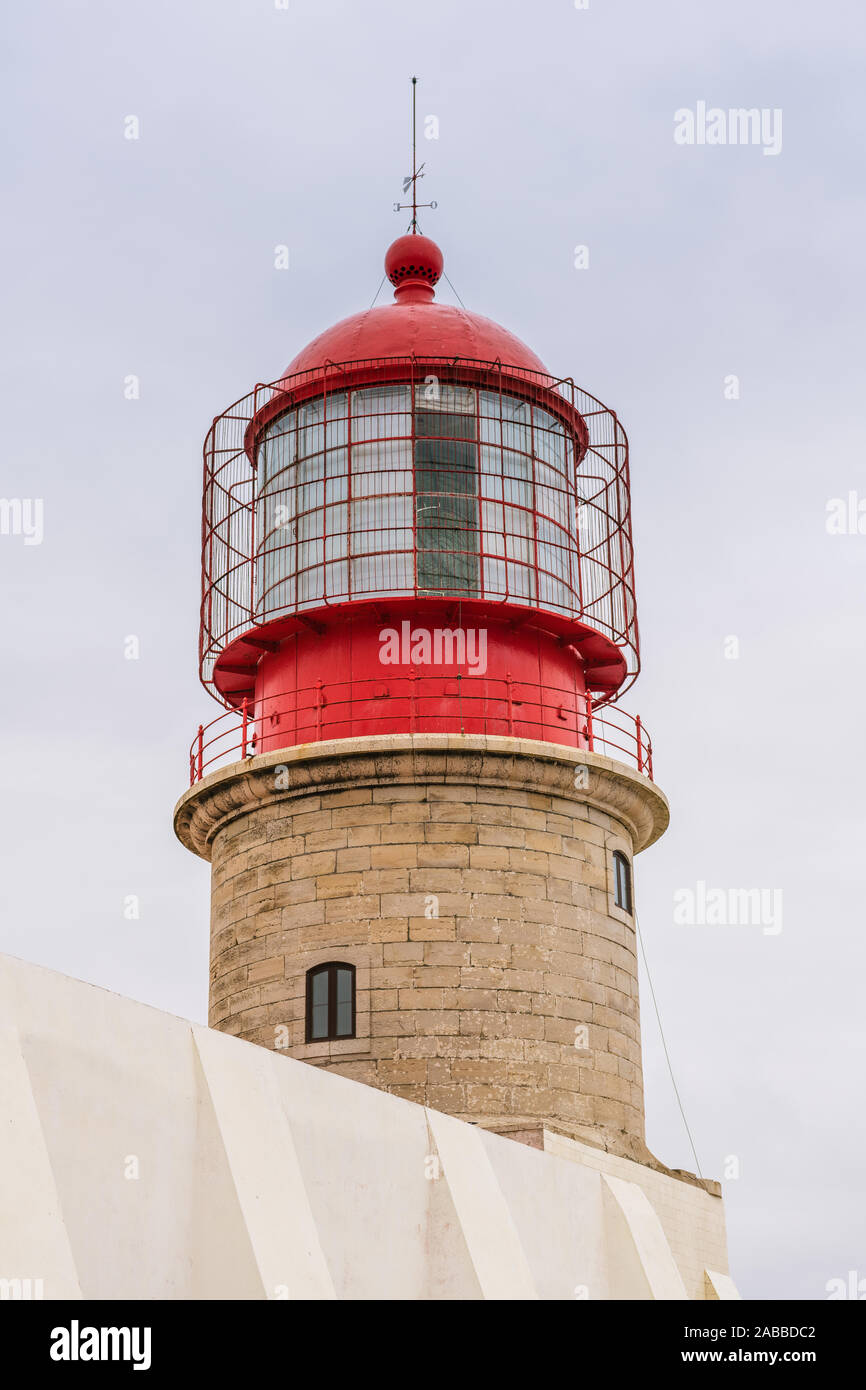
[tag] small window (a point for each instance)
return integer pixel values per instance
(330, 1002)
(621, 881)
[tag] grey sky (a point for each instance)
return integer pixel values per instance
(155, 257)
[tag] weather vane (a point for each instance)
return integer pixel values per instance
(411, 180)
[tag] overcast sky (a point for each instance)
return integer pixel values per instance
(261, 126)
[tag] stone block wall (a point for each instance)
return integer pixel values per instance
(470, 882)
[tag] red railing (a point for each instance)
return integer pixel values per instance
(420, 704)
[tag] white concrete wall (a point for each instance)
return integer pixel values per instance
(262, 1177)
(692, 1220)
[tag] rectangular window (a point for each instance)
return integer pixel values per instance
(330, 1002)
(446, 495)
(621, 882)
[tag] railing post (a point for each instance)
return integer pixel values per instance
(320, 702)
(191, 768)
(510, 694)
(589, 737)
(639, 731)
(244, 729)
(200, 750)
(412, 680)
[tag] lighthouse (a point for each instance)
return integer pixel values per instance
(422, 798)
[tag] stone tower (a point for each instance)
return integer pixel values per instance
(423, 802)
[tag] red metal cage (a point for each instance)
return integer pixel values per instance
(317, 496)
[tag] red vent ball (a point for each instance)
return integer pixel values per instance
(413, 257)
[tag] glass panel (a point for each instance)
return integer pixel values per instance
(381, 413)
(340, 523)
(377, 400)
(279, 448)
(494, 528)
(383, 460)
(491, 468)
(275, 515)
(335, 532)
(452, 399)
(382, 484)
(380, 524)
(319, 992)
(336, 549)
(337, 425)
(337, 488)
(516, 430)
(622, 892)
(393, 426)
(553, 592)
(345, 980)
(311, 428)
(549, 437)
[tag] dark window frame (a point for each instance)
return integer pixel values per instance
(447, 502)
(622, 887)
(330, 969)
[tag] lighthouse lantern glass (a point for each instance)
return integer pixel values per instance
(457, 492)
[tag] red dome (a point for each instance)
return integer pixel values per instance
(415, 325)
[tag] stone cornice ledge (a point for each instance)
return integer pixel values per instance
(386, 759)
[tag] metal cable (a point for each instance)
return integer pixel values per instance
(453, 291)
(664, 1044)
(379, 290)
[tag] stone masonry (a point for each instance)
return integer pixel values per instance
(470, 882)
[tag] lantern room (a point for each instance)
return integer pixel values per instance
(417, 528)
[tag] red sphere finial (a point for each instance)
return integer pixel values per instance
(413, 264)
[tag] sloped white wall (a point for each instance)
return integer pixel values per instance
(142, 1156)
